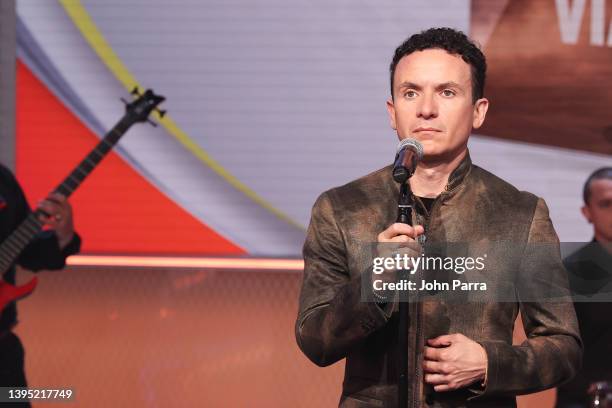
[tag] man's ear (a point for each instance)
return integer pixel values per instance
(391, 110)
(480, 111)
(586, 211)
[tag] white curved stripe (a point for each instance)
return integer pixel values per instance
(177, 173)
(553, 173)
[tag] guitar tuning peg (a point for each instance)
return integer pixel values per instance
(152, 123)
(162, 112)
(124, 101)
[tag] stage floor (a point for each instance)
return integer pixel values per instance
(161, 337)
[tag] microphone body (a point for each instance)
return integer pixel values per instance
(409, 153)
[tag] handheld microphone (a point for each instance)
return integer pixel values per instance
(409, 153)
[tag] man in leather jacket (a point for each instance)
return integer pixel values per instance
(460, 354)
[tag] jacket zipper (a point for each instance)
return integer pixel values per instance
(417, 395)
(420, 385)
(418, 388)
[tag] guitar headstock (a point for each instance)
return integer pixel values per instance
(140, 109)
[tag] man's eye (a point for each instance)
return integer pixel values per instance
(448, 92)
(410, 94)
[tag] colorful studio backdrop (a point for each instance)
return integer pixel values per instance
(272, 102)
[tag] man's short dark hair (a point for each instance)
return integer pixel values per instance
(453, 42)
(604, 173)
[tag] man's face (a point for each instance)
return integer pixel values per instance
(432, 103)
(599, 210)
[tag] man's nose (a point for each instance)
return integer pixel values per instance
(428, 108)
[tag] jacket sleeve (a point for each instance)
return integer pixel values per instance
(552, 353)
(44, 252)
(332, 316)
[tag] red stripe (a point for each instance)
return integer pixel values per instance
(116, 209)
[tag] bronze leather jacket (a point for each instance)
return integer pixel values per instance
(334, 323)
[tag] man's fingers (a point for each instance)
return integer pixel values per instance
(49, 207)
(438, 342)
(55, 203)
(444, 340)
(436, 379)
(56, 198)
(432, 353)
(401, 238)
(46, 220)
(52, 219)
(400, 229)
(436, 367)
(55, 209)
(443, 387)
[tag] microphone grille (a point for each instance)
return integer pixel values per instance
(417, 147)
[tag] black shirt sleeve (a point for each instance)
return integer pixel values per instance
(45, 253)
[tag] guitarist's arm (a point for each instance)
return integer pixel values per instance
(45, 252)
(52, 246)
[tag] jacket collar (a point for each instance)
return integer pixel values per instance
(458, 175)
(455, 180)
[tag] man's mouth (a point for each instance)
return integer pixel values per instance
(426, 129)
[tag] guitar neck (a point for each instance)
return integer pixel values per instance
(86, 166)
(25, 233)
(12, 247)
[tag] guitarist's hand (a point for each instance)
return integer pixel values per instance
(60, 217)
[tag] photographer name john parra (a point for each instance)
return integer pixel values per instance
(405, 284)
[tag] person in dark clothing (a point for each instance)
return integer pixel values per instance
(49, 250)
(590, 277)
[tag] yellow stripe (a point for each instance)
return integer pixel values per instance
(96, 40)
